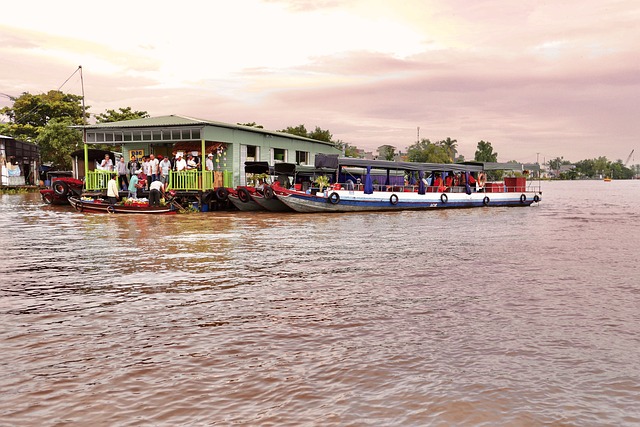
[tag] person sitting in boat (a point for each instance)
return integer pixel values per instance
(437, 182)
(156, 189)
(482, 180)
(448, 181)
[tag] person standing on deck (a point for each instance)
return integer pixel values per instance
(146, 169)
(153, 166)
(181, 164)
(209, 163)
(106, 164)
(112, 191)
(165, 167)
(123, 181)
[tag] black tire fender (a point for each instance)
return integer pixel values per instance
(268, 192)
(110, 209)
(243, 195)
(523, 198)
(536, 198)
(61, 188)
(444, 198)
(486, 201)
(393, 199)
(334, 198)
(222, 193)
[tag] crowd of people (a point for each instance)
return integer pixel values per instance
(150, 173)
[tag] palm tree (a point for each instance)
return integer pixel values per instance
(485, 153)
(450, 146)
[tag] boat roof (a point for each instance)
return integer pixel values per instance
(292, 169)
(256, 167)
(409, 166)
(513, 166)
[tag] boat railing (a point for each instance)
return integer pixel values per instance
(506, 186)
(178, 180)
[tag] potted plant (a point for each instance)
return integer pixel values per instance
(322, 181)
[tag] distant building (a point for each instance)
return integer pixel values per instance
(19, 161)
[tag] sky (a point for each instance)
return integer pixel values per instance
(537, 79)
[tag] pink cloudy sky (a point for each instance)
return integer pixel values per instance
(555, 78)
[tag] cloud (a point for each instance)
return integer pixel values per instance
(556, 78)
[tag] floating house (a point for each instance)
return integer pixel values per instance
(231, 146)
(19, 162)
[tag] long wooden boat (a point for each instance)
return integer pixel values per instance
(240, 197)
(268, 200)
(350, 197)
(104, 207)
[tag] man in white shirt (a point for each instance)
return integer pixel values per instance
(153, 166)
(209, 163)
(191, 164)
(146, 169)
(106, 164)
(155, 190)
(181, 164)
(165, 167)
(112, 190)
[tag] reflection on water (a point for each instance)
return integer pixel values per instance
(491, 316)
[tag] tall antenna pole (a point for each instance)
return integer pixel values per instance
(84, 134)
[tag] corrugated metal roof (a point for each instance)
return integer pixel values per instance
(175, 120)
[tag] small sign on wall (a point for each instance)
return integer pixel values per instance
(137, 153)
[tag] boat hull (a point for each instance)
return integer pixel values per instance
(357, 201)
(272, 205)
(248, 206)
(91, 206)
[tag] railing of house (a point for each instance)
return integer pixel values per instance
(182, 181)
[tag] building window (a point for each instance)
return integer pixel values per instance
(252, 153)
(279, 155)
(302, 157)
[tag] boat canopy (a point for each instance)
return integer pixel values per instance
(510, 166)
(409, 166)
(256, 167)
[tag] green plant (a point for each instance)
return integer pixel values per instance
(322, 181)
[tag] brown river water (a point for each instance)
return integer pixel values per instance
(476, 317)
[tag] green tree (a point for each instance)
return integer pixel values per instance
(252, 125)
(31, 113)
(123, 114)
(351, 151)
(42, 119)
(57, 140)
(387, 152)
(450, 146)
(320, 135)
(424, 151)
(484, 152)
(299, 130)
